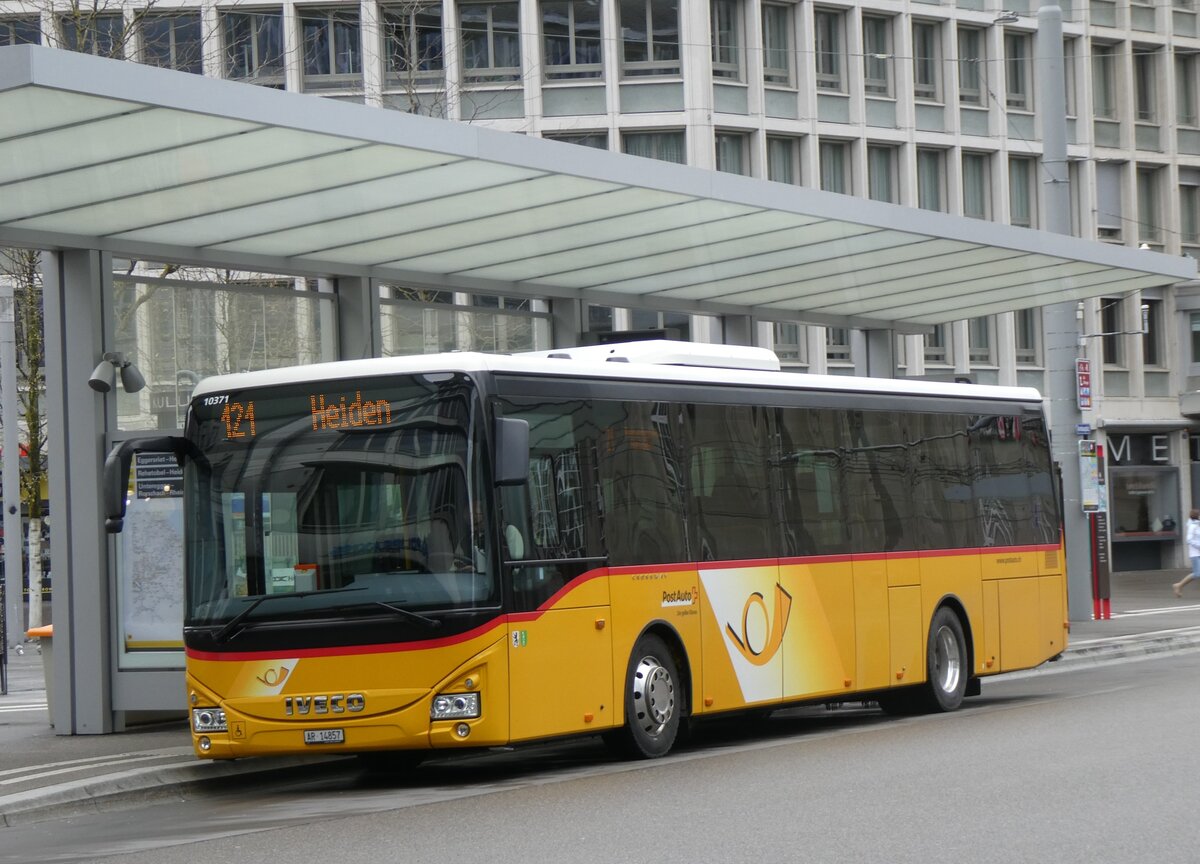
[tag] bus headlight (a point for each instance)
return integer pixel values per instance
(208, 720)
(455, 706)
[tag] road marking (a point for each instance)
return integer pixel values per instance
(39, 775)
(1157, 610)
(92, 761)
(22, 706)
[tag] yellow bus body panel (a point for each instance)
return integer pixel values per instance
(747, 634)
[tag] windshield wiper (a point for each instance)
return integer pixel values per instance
(407, 614)
(227, 632)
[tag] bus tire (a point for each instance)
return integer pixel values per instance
(946, 663)
(653, 700)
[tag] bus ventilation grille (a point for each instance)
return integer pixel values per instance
(1051, 562)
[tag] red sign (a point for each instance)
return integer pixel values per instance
(1083, 383)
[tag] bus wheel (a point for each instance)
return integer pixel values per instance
(947, 662)
(653, 700)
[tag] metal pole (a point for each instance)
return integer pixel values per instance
(10, 483)
(1060, 325)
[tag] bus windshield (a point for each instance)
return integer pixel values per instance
(336, 498)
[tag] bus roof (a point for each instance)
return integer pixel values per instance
(655, 360)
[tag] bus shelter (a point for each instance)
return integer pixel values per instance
(105, 159)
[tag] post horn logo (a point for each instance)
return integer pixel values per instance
(273, 677)
(760, 655)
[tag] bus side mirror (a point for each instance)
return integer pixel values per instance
(115, 481)
(512, 451)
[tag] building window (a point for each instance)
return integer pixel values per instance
(783, 160)
(491, 42)
(877, 55)
(972, 66)
(254, 47)
(1189, 214)
(726, 39)
(937, 345)
(595, 140)
(571, 39)
(835, 166)
(1145, 84)
(732, 153)
(173, 41)
(1021, 195)
(930, 182)
(665, 146)
(1027, 332)
(87, 32)
(1194, 320)
(830, 49)
(1112, 319)
(20, 31)
(777, 43)
(332, 48)
(980, 340)
(789, 342)
(926, 60)
(1186, 70)
(412, 44)
(649, 37)
(977, 185)
(1149, 206)
(1104, 81)
(1152, 338)
(881, 173)
(1017, 71)
(837, 344)
(1109, 212)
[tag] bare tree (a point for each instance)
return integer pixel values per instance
(22, 267)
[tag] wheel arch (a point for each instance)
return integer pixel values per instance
(954, 603)
(674, 642)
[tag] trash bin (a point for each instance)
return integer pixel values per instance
(45, 637)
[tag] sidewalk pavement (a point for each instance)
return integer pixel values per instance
(44, 775)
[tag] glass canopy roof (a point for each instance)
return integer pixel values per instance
(145, 162)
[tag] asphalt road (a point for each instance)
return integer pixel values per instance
(1095, 765)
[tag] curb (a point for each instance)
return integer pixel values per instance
(1138, 646)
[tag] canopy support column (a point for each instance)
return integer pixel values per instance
(880, 352)
(360, 332)
(75, 281)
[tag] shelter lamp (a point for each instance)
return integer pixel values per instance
(104, 376)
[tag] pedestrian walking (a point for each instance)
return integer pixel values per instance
(1193, 545)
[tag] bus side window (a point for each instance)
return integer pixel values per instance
(811, 460)
(729, 491)
(554, 515)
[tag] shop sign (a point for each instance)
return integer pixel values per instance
(1139, 449)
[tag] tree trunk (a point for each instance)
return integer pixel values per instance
(35, 573)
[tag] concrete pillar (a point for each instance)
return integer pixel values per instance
(75, 281)
(566, 322)
(1061, 329)
(739, 329)
(880, 353)
(359, 333)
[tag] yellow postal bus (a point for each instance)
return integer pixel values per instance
(456, 551)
